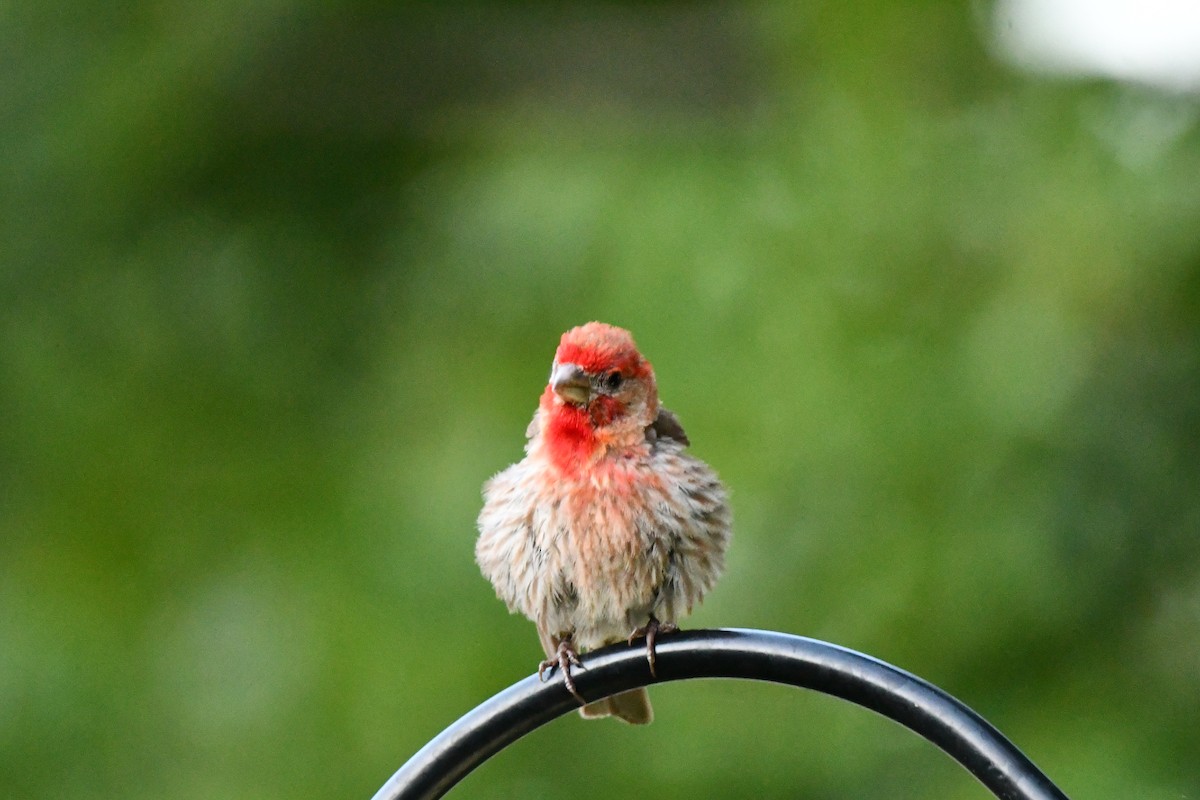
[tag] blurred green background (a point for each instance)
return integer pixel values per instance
(279, 288)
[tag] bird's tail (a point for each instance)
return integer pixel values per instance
(632, 706)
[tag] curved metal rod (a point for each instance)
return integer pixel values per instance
(727, 653)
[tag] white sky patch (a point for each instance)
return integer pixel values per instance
(1154, 42)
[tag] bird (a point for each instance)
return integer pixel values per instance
(608, 530)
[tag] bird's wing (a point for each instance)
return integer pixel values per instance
(667, 426)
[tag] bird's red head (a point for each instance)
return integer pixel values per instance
(597, 348)
(601, 395)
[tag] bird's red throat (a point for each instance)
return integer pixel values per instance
(574, 434)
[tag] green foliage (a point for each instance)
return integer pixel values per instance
(279, 288)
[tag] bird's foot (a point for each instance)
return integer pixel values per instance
(564, 658)
(652, 630)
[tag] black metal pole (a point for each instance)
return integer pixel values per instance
(750, 654)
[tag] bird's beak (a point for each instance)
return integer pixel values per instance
(571, 384)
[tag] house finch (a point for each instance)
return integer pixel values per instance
(607, 530)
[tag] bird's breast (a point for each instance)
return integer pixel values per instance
(608, 538)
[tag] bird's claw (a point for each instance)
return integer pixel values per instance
(652, 630)
(563, 659)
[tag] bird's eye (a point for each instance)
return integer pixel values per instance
(612, 381)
